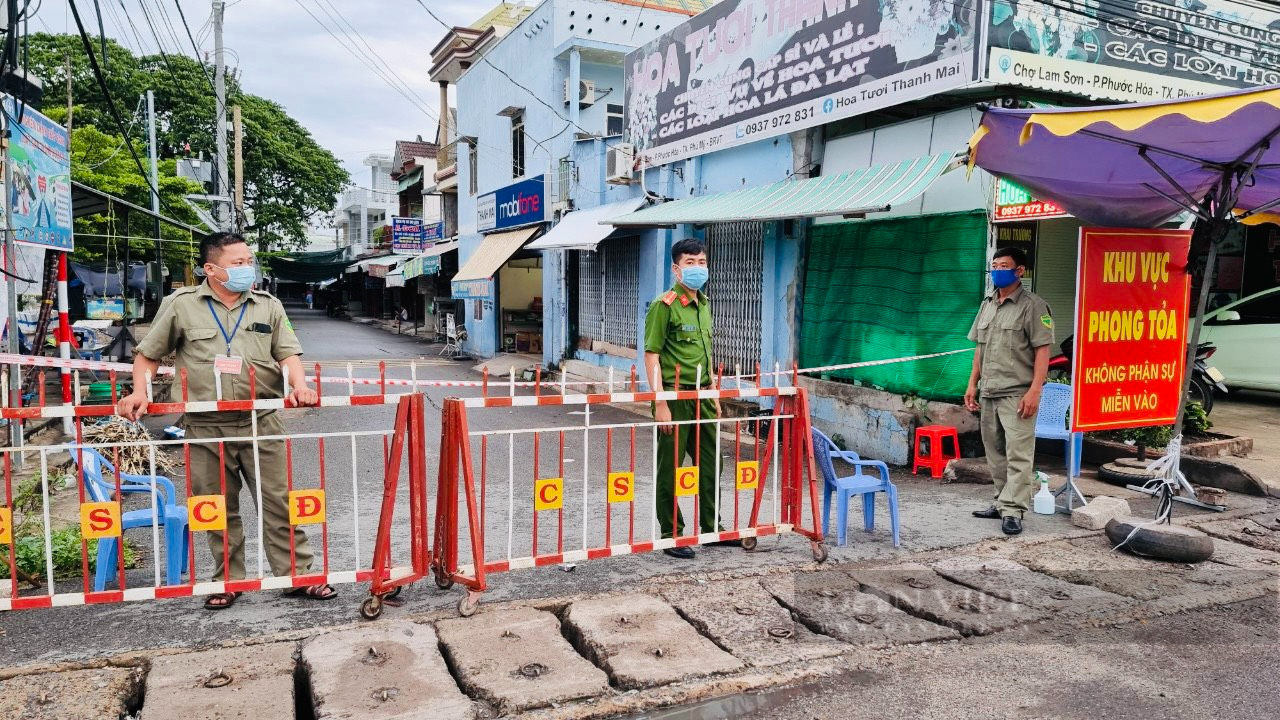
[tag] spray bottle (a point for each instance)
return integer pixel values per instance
(1044, 502)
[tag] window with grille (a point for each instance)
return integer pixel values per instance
(517, 145)
(608, 297)
(735, 255)
(473, 168)
(613, 119)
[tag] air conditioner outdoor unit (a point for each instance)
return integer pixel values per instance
(586, 93)
(620, 163)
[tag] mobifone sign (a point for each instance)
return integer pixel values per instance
(747, 70)
(523, 203)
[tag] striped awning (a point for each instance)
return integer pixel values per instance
(494, 252)
(428, 263)
(874, 189)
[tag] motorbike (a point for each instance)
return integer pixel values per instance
(1205, 379)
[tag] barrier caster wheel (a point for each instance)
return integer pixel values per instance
(394, 593)
(819, 553)
(468, 607)
(371, 608)
(444, 582)
(749, 543)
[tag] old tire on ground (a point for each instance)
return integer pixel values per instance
(1163, 542)
(1125, 471)
(749, 543)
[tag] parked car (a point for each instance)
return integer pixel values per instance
(1247, 335)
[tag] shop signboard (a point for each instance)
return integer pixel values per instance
(1022, 236)
(747, 70)
(1132, 291)
(1014, 204)
(523, 203)
(39, 179)
(1133, 50)
(406, 235)
(471, 289)
(432, 233)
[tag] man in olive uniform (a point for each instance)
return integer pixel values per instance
(224, 323)
(677, 332)
(1013, 330)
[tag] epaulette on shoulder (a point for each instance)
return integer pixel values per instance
(669, 298)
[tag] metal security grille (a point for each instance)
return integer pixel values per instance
(735, 252)
(590, 295)
(621, 291)
(608, 282)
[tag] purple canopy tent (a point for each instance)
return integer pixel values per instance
(1216, 156)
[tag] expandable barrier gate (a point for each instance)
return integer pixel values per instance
(504, 493)
(320, 496)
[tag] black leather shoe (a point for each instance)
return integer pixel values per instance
(991, 513)
(1011, 525)
(683, 553)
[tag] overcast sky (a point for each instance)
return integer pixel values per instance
(284, 54)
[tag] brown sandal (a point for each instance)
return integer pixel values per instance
(313, 592)
(228, 599)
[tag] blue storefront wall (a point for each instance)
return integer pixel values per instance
(741, 167)
(560, 40)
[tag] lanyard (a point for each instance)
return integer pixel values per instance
(234, 330)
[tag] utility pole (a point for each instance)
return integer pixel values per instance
(70, 105)
(220, 125)
(155, 173)
(240, 220)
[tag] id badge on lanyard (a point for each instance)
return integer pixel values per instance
(228, 364)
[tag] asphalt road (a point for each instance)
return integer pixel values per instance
(1207, 664)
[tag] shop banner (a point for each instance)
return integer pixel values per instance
(1015, 204)
(406, 235)
(746, 70)
(522, 203)
(1132, 290)
(432, 234)
(39, 184)
(1133, 50)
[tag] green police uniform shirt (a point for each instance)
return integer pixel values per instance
(678, 328)
(1008, 333)
(185, 323)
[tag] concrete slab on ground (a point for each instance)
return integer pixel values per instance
(1091, 561)
(383, 672)
(833, 604)
(222, 684)
(641, 641)
(1259, 531)
(517, 660)
(1016, 583)
(741, 617)
(500, 367)
(922, 592)
(101, 694)
(1243, 556)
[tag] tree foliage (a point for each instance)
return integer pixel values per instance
(290, 180)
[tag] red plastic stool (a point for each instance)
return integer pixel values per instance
(935, 458)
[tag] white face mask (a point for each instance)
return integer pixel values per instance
(239, 278)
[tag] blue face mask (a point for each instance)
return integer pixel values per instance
(693, 277)
(240, 279)
(1004, 278)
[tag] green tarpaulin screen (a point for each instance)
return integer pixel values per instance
(309, 267)
(895, 288)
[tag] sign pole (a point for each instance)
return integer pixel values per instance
(11, 287)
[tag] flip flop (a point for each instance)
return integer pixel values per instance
(228, 599)
(313, 592)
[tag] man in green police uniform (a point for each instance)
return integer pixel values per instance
(677, 332)
(1013, 330)
(225, 324)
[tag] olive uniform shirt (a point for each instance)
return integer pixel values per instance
(678, 328)
(1008, 333)
(185, 323)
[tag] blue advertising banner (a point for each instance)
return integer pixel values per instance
(406, 235)
(471, 289)
(39, 179)
(432, 234)
(523, 203)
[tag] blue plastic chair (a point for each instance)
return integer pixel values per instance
(859, 483)
(100, 486)
(1052, 423)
